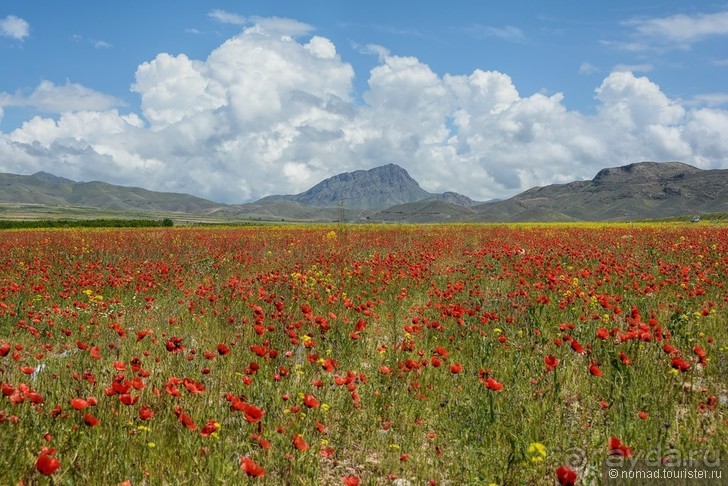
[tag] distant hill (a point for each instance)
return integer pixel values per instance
(643, 190)
(428, 211)
(273, 210)
(50, 190)
(379, 187)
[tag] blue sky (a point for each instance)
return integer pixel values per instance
(236, 100)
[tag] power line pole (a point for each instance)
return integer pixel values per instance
(340, 212)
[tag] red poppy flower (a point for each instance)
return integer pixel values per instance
(90, 420)
(138, 384)
(28, 370)
(442, 351)
(258, 350)
(127, 399)
(209, 428)
(146, 413)
(184, 418)
(171, 386)
(669, 348)
(193, 386)
(252, 368)
(120, 385)
(250, 468)
(223, 350)
(566, 476)
(17, 397)
(594, 370)
(253, 414)
(492, 384)
(551, 362)
(79, 403)
(56, 412)
(616, 448)
(142, 334)
(329, 364)
(625, 359)
(456, 368)
(299, 443)
(576, 346)
(350, 480)
(310, 401)
(711, 402)
(701, 354)
(680, 364)
(174, 344)
(47, 464)
(263, 443)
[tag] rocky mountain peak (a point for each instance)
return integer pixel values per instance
(643, 171)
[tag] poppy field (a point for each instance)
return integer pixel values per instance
(472, 354)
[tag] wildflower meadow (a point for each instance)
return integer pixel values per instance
(372, 354)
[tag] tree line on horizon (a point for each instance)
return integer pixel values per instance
(85, 223)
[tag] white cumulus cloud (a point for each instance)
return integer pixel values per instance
(173, 88)
(636, 102)
(58, 99)
(14, 27)
(272, 111)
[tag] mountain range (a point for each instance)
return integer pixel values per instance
(643, 190)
